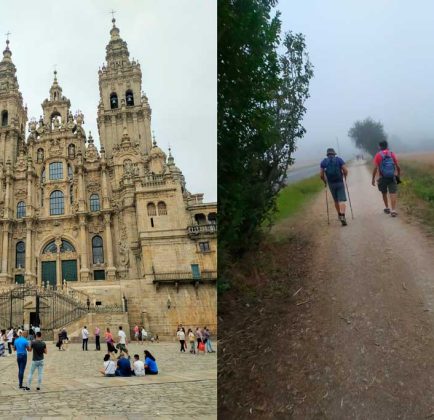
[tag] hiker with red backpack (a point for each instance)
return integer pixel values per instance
(386, 165)
(333, 171)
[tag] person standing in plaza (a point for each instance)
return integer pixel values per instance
(199, 338)
(97, 337)
(181, 337)
(39, 348)
(191, 339)
(122, 344)
(144, 335)
(207, 335)
(3, 341)
(85, 337)
(21, 346)
(136, 332)
(9, 337)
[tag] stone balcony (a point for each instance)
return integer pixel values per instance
(209, 229)
(178, 278)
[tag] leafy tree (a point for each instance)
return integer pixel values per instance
(260, 105)
(367, 134)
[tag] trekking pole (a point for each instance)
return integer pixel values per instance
(349, 198)
(327, 204)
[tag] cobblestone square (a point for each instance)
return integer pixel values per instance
(72, 387)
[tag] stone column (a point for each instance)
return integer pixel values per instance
(84, 270)
(5, 251)
(29, 276)
(59, 280)
(111, 269)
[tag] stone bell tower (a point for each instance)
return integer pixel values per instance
(122, 105)
(13, 115)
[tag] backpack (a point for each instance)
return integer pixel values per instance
(387, 165)
(333, 170)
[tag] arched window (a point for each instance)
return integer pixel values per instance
(71, 151)
(20, 255)
(152, 211)
(40, 156)
(21, 210)
(200, 219)
(94, 202)
(129, 97)
(57, 203)
(71, 194)
(113, 100)
(65, 246)
(50, 248)
(56, 170)
(43, 175)
(212, 218)
(4, 118)
(162, 208)
(97, 250)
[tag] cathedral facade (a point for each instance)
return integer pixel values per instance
(117, 224)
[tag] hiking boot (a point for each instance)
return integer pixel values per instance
(394, 214)
(387, 211)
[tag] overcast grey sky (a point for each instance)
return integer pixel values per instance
(372, 58)
(175, 42)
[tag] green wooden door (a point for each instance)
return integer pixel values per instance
(195, 271)
(69, 270)
(49, 273)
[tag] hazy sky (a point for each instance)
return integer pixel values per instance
(175, 43)
(372, 58)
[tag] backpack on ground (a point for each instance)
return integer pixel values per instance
(333, 170)
(387, 166)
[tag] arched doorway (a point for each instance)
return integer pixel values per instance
(58, 263)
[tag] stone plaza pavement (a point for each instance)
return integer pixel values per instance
(72, 386)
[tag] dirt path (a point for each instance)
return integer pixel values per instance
(367, 348)
(332, 322)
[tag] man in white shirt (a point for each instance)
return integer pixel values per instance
(138, 366)
(181, 337)
(10, 336)
(122, 345)
(85, 337)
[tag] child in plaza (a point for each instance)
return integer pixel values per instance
(138, 366)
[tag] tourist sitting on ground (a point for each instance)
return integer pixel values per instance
(109, 366)
(63, 339)
(138, 366)
(124, 366)
(151, 367)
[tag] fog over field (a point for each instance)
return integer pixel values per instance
(372, 58)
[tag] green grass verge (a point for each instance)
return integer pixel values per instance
(417, 191)
(292, 198)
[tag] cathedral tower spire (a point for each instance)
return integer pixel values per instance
(121, 102)
(13, 115)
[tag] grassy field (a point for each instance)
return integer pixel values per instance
(417, 188)
(292, 198)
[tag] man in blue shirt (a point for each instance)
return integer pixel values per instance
(21, 346)
(124, 366)
(333, 172)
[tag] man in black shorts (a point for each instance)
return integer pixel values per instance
(333, 171)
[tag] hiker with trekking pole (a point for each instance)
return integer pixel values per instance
(334, 173)
(386, 165)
